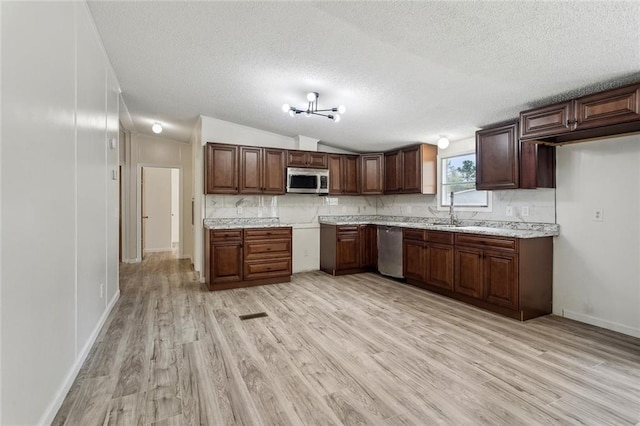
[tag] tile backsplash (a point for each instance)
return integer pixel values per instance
(302, 208)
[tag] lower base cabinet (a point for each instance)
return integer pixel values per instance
(509, 276)
(247, 257)
(348, 249)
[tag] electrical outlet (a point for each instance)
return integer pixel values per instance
(101, 291)
(239, 209)
(524, 211)
(597, 215)
(509, 211)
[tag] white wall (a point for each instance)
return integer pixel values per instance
(59, 212)
(146, 150)
(597, 264)
(157, 208)
(175, 205)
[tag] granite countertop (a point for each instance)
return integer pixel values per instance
(482, 227)
(253, 222)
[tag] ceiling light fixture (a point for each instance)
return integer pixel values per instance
(156, 128)
(443, 142)
(312, 108)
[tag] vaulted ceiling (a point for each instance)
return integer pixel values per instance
(406, 71)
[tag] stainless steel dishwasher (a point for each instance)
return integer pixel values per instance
(390, 251)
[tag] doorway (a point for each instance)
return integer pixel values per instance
(160, 193)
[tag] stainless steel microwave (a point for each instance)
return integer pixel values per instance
(307, 181)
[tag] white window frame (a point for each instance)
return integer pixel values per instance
(487, 208)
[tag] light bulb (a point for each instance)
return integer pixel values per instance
(443, 143)
(336, 117)
(292, 112)
(156, 128)
(286, 107)
(312, 96)
(342, 109)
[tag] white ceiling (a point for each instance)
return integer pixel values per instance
(406, 71)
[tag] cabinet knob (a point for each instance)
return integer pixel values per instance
(570, 122)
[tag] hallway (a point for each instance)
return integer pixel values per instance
(356, 349)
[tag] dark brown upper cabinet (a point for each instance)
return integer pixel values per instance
(221, 169)
(311, 159)
(497, 158)
(411, 170)
(371, 174)
(343, 174)
(608, 113)
(261, 170)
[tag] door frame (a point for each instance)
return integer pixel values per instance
(139, 168)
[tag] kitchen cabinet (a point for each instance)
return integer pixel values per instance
(221, 169)
(343, 174)
(497, 158)
(311, 159)
(241, 258)
(503, 162)
(602, 114)
(348, 249)
(411, 170)
(428, 258)
(262, 170)
(371, 174)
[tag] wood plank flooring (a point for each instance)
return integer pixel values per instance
(356, 349)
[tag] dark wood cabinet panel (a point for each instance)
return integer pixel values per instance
(273, 171)
(468, 272)
(316, 160)
(439, 267)
(549, 120)
(369, 247)
(497, 158)
(335, 174)
(250, 170)
(347, 250)
(221, 169)
(226, 262)
(413, 260)
(260, 270)
(501, 278)
(606, 108)
(537, 166)
(371, 174)
(343, 174)
(392, 172)
(411, 170)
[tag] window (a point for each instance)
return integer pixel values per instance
(459, 176)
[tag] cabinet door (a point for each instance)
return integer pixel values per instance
(317, 160)
(273, 171)
(369, 246)
(414, 260)
(371, 174)
(250, 170)
(411, 170)
(607, 108)
(296, 159)
(221, 170)
(537, 166)
(347, 250)
(439, 267)
(393, 172)
(350, 178)
(501, 278)
(226, 262)
(468, 271)
(497, 158)
(335, 175)
(547, 121)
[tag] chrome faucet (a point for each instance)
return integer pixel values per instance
(453, 221)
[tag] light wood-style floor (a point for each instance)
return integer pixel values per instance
(357, 349)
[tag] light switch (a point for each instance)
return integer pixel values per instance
(114, 174)
(597, 215)
(112, 143)
(524, 211)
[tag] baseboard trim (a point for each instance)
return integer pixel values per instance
(599, 322)
(54, 406)
(157, 250)
(135, 260)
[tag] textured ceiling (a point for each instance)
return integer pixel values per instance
(406, 71)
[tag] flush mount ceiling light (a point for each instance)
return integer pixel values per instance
(312, 109)
(443, 142)
(156, 128)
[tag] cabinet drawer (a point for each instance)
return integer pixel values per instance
(226, 235)
(347, 229)
(256, 270)
(610, 107)
(549, 120)
(415, 234)
(267, 233)
(267, 249)
(482, 241)
(441, 237)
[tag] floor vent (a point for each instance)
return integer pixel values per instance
(252, 316)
